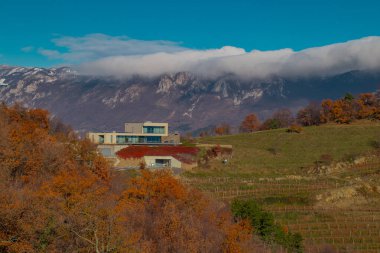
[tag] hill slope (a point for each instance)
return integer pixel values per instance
(277, 151)
(334, 204)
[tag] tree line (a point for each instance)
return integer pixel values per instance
(342, 111)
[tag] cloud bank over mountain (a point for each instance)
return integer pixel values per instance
(95, 46)
(99, 54)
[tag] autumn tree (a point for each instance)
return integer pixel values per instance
(349, 108)
(326, 111)
(57, 194)
(284, 117)
(270, 124)
(343, 111)
(250, 123)
(310, 115)
(222, 129)
(33, 155)
(192, 222)
(367, 106)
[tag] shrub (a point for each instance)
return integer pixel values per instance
(348, 97)
(264, 226)
(141, 151)
(376, 143)
(295, 129)
(142, 165)
(273, 150)
(326, 159)
(350, 157)
(270, 124)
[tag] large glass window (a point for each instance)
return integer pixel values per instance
(106, 152)
(101, 138)
(154, 130)
(121, 139)
(153, 139)
(163, 163)
(133, 139)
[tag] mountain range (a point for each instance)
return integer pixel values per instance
(187, 101)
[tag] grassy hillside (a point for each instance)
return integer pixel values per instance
(276, 152)
(338, 207)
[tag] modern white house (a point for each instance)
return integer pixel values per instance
(147, 133)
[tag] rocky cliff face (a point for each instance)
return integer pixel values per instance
(184, 100)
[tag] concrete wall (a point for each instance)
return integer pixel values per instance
(112, 149)
(171, 138)
(131, 162)
(149, 160)
(109, 138)
(137, 128)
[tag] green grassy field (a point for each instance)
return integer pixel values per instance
(277, 152)
(340, 208)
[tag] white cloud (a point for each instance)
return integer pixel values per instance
(51, 54)
(27, 49)
(157, 63)
(120, 56)
(95, 46)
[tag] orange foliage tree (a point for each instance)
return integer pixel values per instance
(222, 129)
(368, 106)
(57, 194)
(185, 220)
(326, 111)
(343, 111)
(349, 108)
(250, 123)
(33, 156)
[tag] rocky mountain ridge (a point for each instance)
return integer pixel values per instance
(188, 102)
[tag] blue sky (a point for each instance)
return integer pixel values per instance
(28, 27)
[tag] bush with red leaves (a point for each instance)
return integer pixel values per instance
(182, 153)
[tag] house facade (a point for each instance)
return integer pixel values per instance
(147, 133)
(137, 134)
